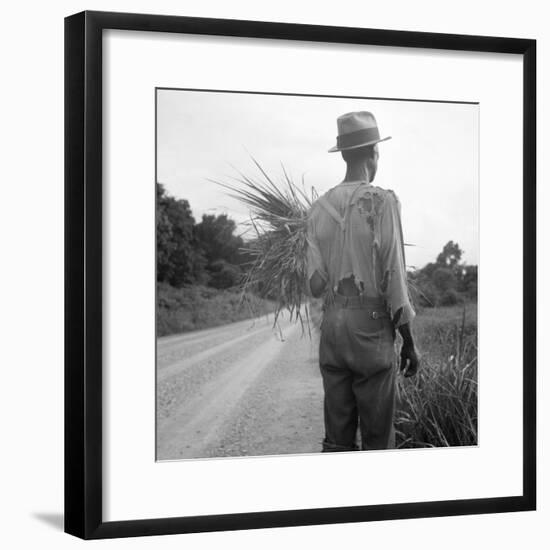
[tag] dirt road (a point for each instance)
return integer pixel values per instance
(239, 389)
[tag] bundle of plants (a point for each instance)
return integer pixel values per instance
(277, 269)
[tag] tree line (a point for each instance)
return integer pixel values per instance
(210, 253)
(445, 282)
(189, 253)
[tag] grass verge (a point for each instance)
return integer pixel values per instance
(198, 307)
(438, 406)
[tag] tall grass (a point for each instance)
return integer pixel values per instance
(438, 406)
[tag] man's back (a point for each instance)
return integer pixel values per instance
(355, 235)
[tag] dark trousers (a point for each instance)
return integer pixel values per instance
(356, 357)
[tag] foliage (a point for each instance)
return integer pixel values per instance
(221, 248)
(445, 282)
(179, 258)
(224, 275)
(197, 307)
(187, 253)
(450, 255)
(444, 279)
(438, 406)
(279, 211)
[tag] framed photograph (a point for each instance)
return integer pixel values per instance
(286, 248)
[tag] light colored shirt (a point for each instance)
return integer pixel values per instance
(354, 231)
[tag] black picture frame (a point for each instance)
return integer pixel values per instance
(83, 273)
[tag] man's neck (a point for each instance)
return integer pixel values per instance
(357, 172)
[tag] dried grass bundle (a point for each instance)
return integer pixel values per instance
(278, 215)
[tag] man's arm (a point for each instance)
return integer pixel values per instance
(396, 290)
(317, 273)
(409, 358)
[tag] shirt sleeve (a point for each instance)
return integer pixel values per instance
(394, 275)
(314, 257)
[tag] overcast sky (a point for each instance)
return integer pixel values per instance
(431, 162)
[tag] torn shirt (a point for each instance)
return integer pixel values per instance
(354, 231)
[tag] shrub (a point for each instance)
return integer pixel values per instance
(450, 298)
(224, 275)
(197, 307)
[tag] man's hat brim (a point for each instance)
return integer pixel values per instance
(366, 144)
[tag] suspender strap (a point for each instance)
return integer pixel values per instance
(335, 215)
(341, 221)
(332, 212)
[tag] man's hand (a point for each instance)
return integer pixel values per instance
(317, 284)
(409, 360)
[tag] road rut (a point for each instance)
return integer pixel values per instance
(241, 389)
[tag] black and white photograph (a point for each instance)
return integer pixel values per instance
(275, 275)
(316, 274)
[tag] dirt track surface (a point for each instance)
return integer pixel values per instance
(240, 389)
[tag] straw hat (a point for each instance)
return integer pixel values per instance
(356, 129)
